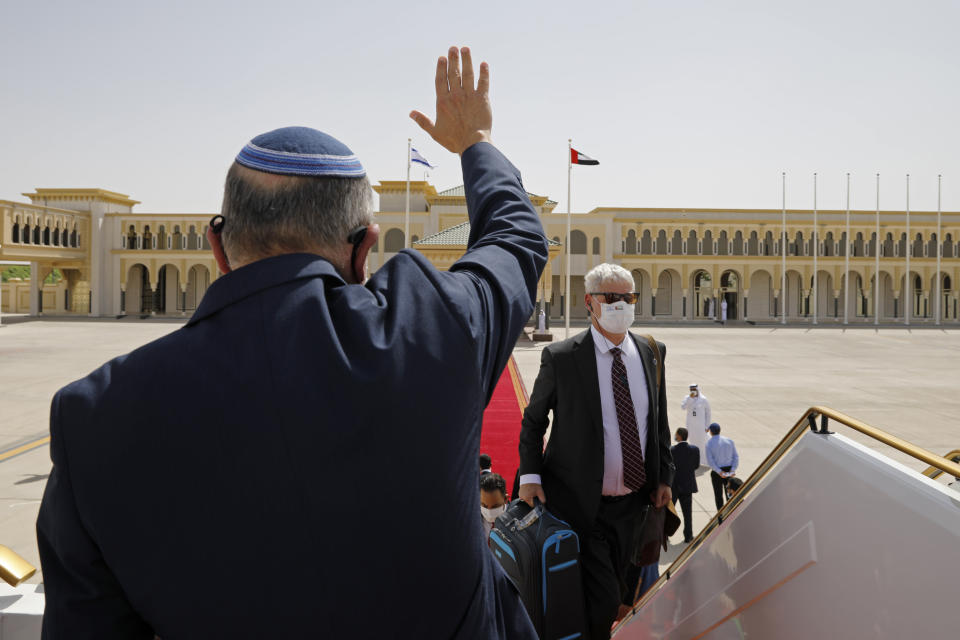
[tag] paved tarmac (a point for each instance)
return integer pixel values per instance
(759, 381)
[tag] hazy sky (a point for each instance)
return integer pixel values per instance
(685, 104)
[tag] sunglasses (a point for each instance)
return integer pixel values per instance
(611, 298)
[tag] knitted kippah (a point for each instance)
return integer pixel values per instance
(300, 151)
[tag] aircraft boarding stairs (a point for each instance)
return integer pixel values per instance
(827, 539)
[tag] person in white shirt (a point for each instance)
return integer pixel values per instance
(698, 416)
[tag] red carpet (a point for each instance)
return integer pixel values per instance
(501, 423)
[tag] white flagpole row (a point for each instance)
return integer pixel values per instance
(908, 303)
(816, 248)
(846, 261)
(876, 267)
(783, 254)
(566, 298)
(406, 215)
(939, 253)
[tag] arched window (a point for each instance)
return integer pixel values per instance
(393, 241)
(132, 237)
(753, 244)
(26, 233)
(630, 244)
(646, 243)
(46, 235)
(676, 245)
(661, 243)
(147, 237)
(162, 238)
(738, 243)
(74, 240)
(946, 283)
(596, 246)
(692, 243)
(829, 248)
(948, 246)
(858, 245)
(797, 248)
(177, 238)
(842, 245)
(193, 239)
(723, 244)
(664, 294)
(578, 242)
(932, 246)
(918, 246)
(56, 237)
(707, 246)
(872, 248)
(902, 245)
(36, 234)
(811, 248)
(203, 238)
(888, 247)
(16, 231)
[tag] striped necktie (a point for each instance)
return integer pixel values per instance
(634, 473)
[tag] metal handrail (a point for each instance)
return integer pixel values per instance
(933, 472)
(806, 422)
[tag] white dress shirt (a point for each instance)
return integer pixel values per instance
(612, 453)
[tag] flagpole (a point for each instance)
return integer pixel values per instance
(783, 254)
(846, 260)
(939, 251)
(566, 299)
(876, 268)
(406, 215)
(816, 247)
(908, 304)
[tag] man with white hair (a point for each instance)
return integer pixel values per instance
(608, 457)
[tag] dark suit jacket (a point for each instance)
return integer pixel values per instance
(571, 468)
(236, 478)
(686, 458)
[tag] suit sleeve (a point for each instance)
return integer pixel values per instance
(667, 468)
(506, 253)
(83, 598)
(536, 417)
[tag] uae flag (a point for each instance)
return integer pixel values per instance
(578, 158)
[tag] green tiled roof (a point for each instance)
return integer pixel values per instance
(461, 193)
(456, 235)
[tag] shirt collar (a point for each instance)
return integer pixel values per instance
(604, 345)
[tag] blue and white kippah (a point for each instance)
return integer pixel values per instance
(300, 151)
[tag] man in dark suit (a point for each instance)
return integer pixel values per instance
(608, 455)
(209, 514)
(686, 458)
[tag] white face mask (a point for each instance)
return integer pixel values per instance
(616, 317)
(490, 515)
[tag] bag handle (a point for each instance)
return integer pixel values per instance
(657, 358)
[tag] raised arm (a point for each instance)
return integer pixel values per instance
(496, 280)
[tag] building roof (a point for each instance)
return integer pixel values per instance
(456, 235)
(460, 192)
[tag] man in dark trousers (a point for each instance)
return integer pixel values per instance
(608, 456)
(210, 517)
(686, 458)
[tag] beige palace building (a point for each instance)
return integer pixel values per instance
(117, 262)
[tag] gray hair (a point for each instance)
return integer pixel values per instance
(266, 214)
(607, 272)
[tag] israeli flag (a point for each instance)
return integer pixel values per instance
(416, 157)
